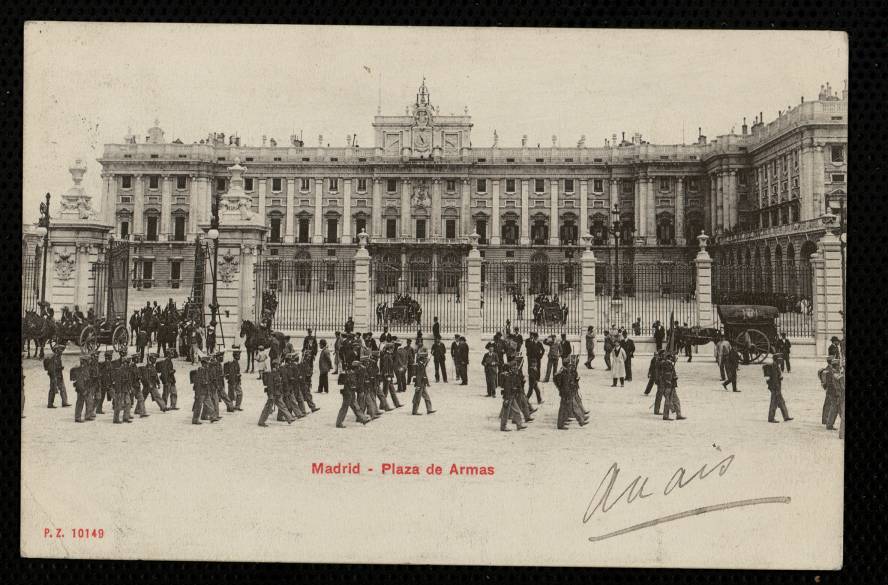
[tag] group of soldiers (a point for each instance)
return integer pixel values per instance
(661, 373)
(288, 386)
(122, 381)
(208, 382)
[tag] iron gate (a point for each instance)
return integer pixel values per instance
(316, 294)
(648, 292)
(111, 281)
(31, 278)
(407, 300)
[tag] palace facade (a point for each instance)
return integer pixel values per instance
(423, 187)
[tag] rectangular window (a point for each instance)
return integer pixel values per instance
(450, 229)
(598, 186)
(391, 185)
(155, 156)
(303, 230)
(124, 230)
(248, 184)
(362, 185)
(275, 235)
(151, 229)
(126, 182)
(451, 186)
(277, 159)
(568, 185)
(220, 184)
(420, 229)
(481, 229)
(181, 181)
(539, 202)
(275, 202)
(179, 229)
(837, 154)
(391, 228)
(482, 186)
(175, 273)
(837, 178)
(276, 185)
(334, 185)
(539, 186)
(664, 184)
(305, 185)
(147, 273)
(741, 179)
(510, 185)
(249, 159)
(305, 202)
(598, 203)
(332, 230)
(628, 186)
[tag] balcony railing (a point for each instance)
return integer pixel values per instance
(800, 227)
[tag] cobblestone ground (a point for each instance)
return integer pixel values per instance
(162, 488)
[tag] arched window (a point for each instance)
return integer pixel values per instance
(568, 232)
(693, 227)
(778, 270)
(665, 229)
(510, 230)
(539, 230)
(598, 229)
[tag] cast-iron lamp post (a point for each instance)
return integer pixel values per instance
(43, 232)
(213, 235)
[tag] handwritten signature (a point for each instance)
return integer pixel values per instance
(604, 500)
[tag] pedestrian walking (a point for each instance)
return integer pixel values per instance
(618, 361)
(774, 379)
(590, 346)
(325, 364)
(731, 363)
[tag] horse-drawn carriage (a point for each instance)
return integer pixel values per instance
(550, 312)
(88, 336)
(751, 329)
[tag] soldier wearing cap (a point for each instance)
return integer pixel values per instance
(367, 402)
(233, 376)
(510, 410)
(491, 364)
(518, 380)
(56, 372)
(135, 382)
(303, 371)
(349, 380)
(387, 371)
(835, 378)
(669, 384)
(218, 376)
(150, 381)
(83, 386)
(291, 398)
(95, 385)
(421, 379)
(829, 377)
(774, 378)
(374, 375)
(120, 398)
(198, 379)
(272, 381)
(167, 372)
(104, 386)
(568, 383)
(402, 360)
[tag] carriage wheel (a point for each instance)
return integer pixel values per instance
(88, 339)
(120, 339)
(752, 345)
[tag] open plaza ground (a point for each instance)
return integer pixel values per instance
(253, 488)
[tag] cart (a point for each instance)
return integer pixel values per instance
(751, 329)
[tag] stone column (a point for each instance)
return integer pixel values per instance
(638, 209)
(264, 189)
(734, 215)
(436, 208)
(376, 212)
(495, 215)
(290, 213)
(828, 295)
(166, 208)
(587, 280)
(466, 211)
(679, 211)
(554, 220)
(650, 211)
(817, 204)
(614, 194)
(318, 236)
(473, 288)
(109, 200)
(720, 201)
(524, 234)
(346, 237)
(138, 206)
(361, 297)
(406, 228)
(703, 263)
(584, 207)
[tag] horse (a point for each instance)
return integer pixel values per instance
(37, 328)
(256, 336)
(151, 324)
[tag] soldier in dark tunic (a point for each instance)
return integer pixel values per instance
(491, 365)
(104, 387)
(349, 382)
(232, 373)
(387, 371)
(669, 384)
(167, 372)
(56, 372)
(303, 379)
(150, 382)
(83, 387)
(272, 382)
(568, 383)
(774, 378)
(200, 385)
(136, 386)
(509, 409)
(119, 391)
(421, 380)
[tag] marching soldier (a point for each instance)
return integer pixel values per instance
(669, 384)
(491, 364)
(368, 394)
(291, 396)
(402, 357)
(387, 371)
(272, 382)
(421, 380)
(771, 371)
(55, 371)
(150, 382)
(198, 379)
(303, 371)
(653, 369)
(568, 383)
(349, 383)
(167, 372)
(120, 391)
(104, 387)
(373, 375)
(219, 379)
(83, 386)
(136, 386)
(509, 409)
(533, 379)
(233, 375)
(518, 381)
(554, 356)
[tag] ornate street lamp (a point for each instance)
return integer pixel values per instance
(43, 232)
(213, 235)
(616, 230)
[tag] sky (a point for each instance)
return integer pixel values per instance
(86, 84)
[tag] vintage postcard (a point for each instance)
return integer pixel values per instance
(434, 295)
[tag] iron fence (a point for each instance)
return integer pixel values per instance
(31, 279)
(315, 294)
(648, 292)
(407, 299)
(541, 296)
(788, 287)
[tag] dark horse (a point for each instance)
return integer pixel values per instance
(39, 329)
(680, 337)
(256, 336)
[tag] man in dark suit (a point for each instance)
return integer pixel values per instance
(439, 355)
(463, 350)
(629, 348)
(566, 349)
(436, 331)
(454, 353)
(325, 364)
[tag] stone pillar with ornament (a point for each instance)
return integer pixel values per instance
(587, 266)
(828, 301)
(241, 235)
(78, 235)
(473, 287)
(703, 263)
(361, 312)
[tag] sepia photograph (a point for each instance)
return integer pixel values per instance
(431, 294)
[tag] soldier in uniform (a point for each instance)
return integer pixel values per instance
(669, 384)
(55, 371)
(491, 364)
(198, 378)
(653, 368)
(272, 382)
(518, 381)
(374, 376)
(421, 379)
(219, 378)
(104, 386)
(835, 380)
(349, 382)
(150, 382)
(167, 372)
(119, 390)
(439, 355)
(290, 381)
(368, 394)
(533, 377)
(136, 386)
(568, 383)
(233, 376)
(402, 358)
(509, 409)
(774, 378)
(84, 388)
(303, 379)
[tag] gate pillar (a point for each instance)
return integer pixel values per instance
(361, 297)
(828, 299)
(703, 263)
(587, 285)
(473, 287)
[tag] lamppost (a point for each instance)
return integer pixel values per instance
(213, 235)
(617, 232)
(43, 232)
(837, 208)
